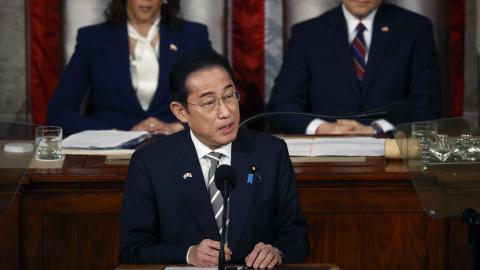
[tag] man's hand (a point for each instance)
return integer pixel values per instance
(263, 256)
(152, 124)
(333, 128)
(205, 254)
(344, 126)
(355, 127)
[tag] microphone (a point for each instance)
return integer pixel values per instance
(225, 181)
(323, 116)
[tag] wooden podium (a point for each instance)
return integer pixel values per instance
(362, 215)
(308, 266)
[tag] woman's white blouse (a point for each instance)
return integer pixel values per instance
(144, 64)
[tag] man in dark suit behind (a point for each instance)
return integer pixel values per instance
(333, 68)
(167, 215)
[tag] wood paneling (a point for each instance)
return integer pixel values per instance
(9, 233)
(80, 241)
(351, 198)
(71, 229)
(370, 225)
(460, 256)
(369, 241)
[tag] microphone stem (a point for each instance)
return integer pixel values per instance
(366, 115)
(221, 256)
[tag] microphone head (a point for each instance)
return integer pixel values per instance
(400, 112)
(225, 177)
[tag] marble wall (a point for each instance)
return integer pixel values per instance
(473, 58)
(13, 71)
(472, 31)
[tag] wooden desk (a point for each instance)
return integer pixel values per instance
(307, 266)
(361, 216)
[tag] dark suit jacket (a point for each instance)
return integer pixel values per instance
(101, 61)
(318, 75)
(164, 214)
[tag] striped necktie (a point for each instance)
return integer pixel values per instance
(216, 198)
(359, 50)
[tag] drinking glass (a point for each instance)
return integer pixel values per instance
(425, 132)
(48, 143)
(467, 148)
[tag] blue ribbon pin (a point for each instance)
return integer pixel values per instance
(250, 178)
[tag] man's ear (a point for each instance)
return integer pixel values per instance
(179, 111)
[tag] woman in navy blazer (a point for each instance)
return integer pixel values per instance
(99, 72)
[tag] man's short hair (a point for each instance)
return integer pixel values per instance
(190, 63)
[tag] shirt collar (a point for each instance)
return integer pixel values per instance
(202, 149)
(353, 21)
(132, 32)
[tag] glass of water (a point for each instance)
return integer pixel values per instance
(48, 143)
(427, 130)
(426, 133)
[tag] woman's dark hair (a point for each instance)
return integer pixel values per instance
(192, 62)
(116, 13)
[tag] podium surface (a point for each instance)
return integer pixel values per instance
(307, 266)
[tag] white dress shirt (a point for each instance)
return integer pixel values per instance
(144, 64)
(352, 23)
(202, 151)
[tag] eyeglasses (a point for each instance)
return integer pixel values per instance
(212, 103)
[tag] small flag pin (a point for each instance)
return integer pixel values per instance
(187, 175)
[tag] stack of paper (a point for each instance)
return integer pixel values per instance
(104, 139)
(335, 146)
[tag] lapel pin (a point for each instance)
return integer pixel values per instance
(187, 175)
(173, 47)
(385, 29)
(250, 178)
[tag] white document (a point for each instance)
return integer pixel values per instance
(299, 147)
(104, 139)
(348, 146)
(335, 146)
(97, 152)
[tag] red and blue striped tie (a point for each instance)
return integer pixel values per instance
(359, 50)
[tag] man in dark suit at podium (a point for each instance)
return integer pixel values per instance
(170, 212)
(359, 56)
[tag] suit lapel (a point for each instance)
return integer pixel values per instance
(117, 55)
(170, 49)
(383, 33)
(242, 194)
(338, 37)
(195, 194)
(189, 179)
